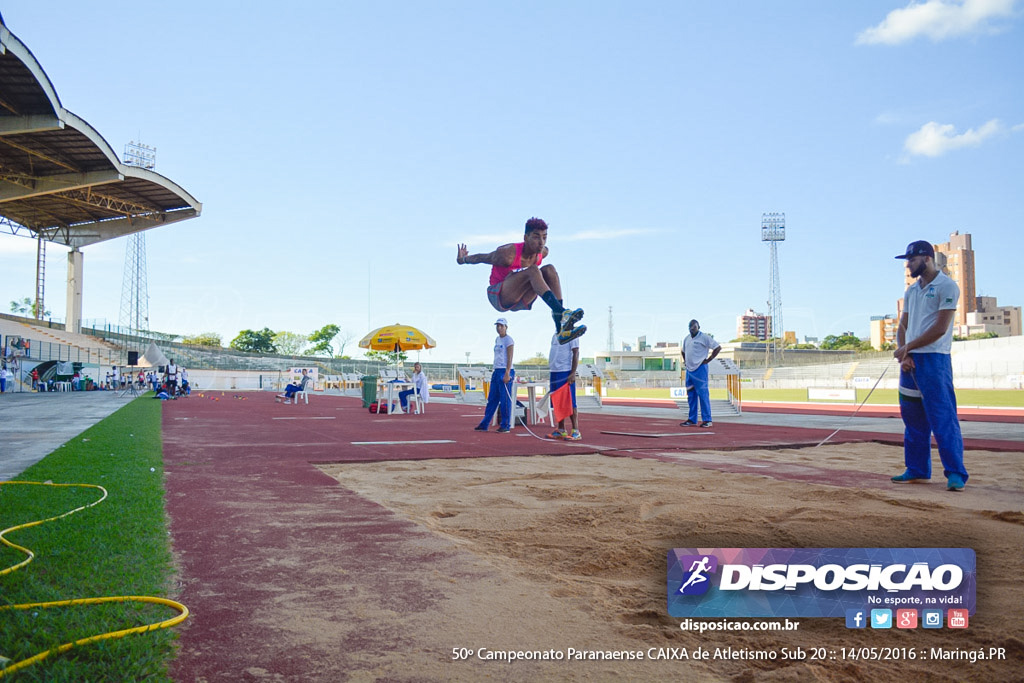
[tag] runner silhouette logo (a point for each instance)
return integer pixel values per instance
(696, 580)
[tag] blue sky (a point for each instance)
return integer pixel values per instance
(341, 150)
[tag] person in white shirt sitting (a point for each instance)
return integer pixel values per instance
(419, 382)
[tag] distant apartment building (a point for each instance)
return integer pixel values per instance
(883, 330)
(955, 258)
(753, 324)
(988, 316)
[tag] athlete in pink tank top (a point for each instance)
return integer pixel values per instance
(499, 273)
(517, 279)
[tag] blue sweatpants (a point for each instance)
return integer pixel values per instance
(697, 392)
(928, 406)
(500, 394)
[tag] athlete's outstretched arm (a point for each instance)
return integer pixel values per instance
(502, 256)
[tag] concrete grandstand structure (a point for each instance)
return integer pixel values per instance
(61, 182)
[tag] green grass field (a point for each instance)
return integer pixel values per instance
(119, 547)
(1013, 398)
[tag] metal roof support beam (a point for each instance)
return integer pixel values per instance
(87, 197)
(15, 125)
(39, 153)
(27, 186)
(84, 234)
(13, 228)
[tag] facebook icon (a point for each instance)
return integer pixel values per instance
(856, 618)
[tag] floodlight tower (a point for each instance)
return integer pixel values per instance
(611, 331)
(40, 277)
(773, 231)
(134, 289)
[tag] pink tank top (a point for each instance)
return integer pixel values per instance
(499, 273)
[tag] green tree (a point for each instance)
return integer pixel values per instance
(290, 343)
(976, 335)
(538, 359)
(843, 342)
(745, 338)
(321, 340)
(203, 339)
(388, 357)
(255, 342)
(26, 307)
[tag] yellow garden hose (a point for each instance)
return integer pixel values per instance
(16, 666)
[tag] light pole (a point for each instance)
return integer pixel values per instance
(773, 231)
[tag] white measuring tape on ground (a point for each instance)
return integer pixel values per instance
(854, 414)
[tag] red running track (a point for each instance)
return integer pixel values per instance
(256, 524)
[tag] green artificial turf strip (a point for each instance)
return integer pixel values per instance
(118, 547)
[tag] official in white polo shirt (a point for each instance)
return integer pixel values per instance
(923, 344)
(696, 358)
(503, 379)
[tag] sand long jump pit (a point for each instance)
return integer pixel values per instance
(568, 554)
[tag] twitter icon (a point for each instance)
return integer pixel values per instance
(881, 618)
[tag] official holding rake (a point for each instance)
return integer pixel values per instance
(927, 401)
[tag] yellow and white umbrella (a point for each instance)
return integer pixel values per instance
(397, 338)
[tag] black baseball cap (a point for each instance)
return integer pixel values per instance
(919, 248)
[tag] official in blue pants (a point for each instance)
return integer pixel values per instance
(698, 394)
(499, 396)
(503, 379)
(928, 406)
(696, 348)
(923, 344)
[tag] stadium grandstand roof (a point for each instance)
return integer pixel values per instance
(59, 179)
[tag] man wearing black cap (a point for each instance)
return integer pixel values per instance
(927, 401)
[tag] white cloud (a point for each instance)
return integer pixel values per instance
(1018, 128)
(606, 234)
(938, 19)
(935, 139)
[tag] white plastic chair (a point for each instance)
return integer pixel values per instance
(304, 393)
(418, 400)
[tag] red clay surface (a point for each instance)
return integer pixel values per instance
(252, 517)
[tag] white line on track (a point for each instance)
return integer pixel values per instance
(391, 443)
(305, 418)
(656, 435)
